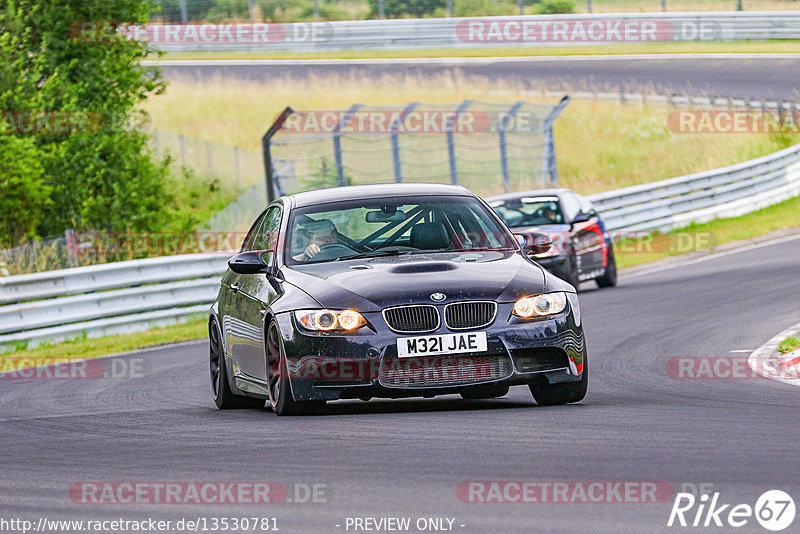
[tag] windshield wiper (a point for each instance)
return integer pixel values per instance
(374, 254)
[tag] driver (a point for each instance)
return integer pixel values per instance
(550, 214)
(320, 233)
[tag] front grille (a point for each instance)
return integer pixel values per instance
(406, 319)
(438, 371)
(463, 315)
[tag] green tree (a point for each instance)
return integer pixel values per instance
(52, 60)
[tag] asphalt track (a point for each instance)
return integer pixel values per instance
(406, 458)
(746, 76)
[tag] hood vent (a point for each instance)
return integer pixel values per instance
(424, 268)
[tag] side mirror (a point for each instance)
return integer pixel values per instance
(582, 217)
(534, 242)
(252, 262)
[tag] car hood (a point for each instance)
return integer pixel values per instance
(372, 284)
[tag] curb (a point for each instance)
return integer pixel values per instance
(766, 360)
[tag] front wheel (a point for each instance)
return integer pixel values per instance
(609, 278)
(280, 393)
(561, 393)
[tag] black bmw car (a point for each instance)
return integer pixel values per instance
(390, 291)
(582, 248)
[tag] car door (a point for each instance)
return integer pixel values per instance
(251, 296)
(586, 233)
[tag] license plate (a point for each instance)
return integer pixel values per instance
(408, 347)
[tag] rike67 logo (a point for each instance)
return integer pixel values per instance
(774, 510)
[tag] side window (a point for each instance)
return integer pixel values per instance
(570, 206)
(266, 237)
(248, 241)
(264, 233)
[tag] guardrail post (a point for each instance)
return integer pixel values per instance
(337, 142)
(451, 142)
(182, 143)
(549, 167)
(209, 157)
(501, 135)
(398, 171)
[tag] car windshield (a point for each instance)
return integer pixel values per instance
(529, 211)
(393, 226)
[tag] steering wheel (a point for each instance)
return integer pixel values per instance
(329, 251)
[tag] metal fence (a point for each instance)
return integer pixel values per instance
(484, 32)
(487, 147)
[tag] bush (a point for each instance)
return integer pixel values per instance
(482, 8)
(555, 7)
(24, 195)
(396, 9)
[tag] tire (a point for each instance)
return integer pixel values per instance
(562, 393)
(571, 272)
(485, 393)
(609, 278)
(280, 393)
(224, 398)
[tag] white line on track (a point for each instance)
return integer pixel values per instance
(451, 60)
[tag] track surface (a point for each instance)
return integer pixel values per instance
(765, 78)
(405, 458)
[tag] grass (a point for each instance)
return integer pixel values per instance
(81, 348)
(600, 145)
(699, 237)
(739, 47)
(789, 344)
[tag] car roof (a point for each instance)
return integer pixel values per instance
(357, 192)
(553, 192)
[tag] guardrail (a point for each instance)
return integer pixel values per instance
(700, 197)
(526, 30)
(135, 295)
(112, 298)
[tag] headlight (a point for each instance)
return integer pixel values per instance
(330, 320)
(540, 305)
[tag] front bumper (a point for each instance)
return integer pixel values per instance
(364, 364)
